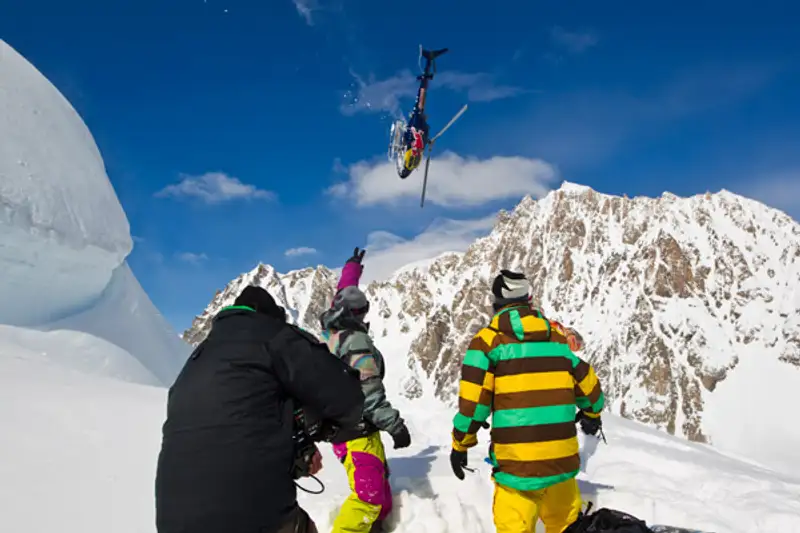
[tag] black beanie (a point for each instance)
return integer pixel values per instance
(260, 301)
(510, 287)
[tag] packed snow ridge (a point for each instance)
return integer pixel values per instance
(64, 239)
(690, 308)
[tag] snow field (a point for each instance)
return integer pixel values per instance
(658, 478)
(80, 452)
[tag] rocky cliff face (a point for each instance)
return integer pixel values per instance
(669, 293)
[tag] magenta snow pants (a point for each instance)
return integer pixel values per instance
(370, 497)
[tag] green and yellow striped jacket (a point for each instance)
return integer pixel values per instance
(522, 372)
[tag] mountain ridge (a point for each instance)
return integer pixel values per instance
(670, 293)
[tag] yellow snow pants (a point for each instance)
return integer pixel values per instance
(370, 497)
(517, 511)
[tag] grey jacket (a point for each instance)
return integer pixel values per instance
(355, 348)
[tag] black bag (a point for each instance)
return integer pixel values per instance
(607, 521)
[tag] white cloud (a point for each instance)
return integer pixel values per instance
(387, 252)
(213, 188)
(192, 258)
(574, 42)
(781, 191)
(453, 181)
(375, 95)
(302, 250)
(306, 8)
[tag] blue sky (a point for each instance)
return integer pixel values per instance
(239, 131)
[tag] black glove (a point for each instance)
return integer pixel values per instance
(589, 425)
(458, 461)
(401, 438)
(358, 255)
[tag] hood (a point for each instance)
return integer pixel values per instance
(522, 322)
(341, 319)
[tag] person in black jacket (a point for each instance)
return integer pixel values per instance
(227, 454)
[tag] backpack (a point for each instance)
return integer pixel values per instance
(607, 521)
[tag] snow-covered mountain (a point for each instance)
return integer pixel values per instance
(64, 239)
(690, 308)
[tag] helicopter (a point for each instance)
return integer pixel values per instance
(409, 139)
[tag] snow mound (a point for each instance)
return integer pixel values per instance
(64, 238)
(82, 450)
(61, 225)
(125, 316)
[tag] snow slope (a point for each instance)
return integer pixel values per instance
(78, 454)
(64, 237)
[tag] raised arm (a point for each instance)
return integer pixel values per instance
(352, 270)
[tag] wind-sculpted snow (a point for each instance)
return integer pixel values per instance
(61, 225)
(125, 316)
(690, 308)
(64, 237)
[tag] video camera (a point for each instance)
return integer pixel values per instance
(306, 432)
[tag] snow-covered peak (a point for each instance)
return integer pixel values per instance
(423, 265)
(303, 293)
(568, 187)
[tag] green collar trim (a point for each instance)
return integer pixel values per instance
(237, 307)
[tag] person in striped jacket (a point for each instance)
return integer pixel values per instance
(521, 371)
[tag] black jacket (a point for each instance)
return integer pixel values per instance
(226, 455)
